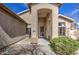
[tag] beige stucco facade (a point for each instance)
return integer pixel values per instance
(49, 13)
(70, 30)
(67, 23)
(43, 19)
(12, 25)
(45, 15)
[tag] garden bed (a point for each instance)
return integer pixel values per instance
(64, 45)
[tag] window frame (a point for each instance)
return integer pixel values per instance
(62, 29)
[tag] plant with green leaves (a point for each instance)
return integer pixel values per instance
(64, 45)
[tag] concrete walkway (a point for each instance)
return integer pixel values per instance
(44, 45)
(24, 47)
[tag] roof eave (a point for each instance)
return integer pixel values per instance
(70, 19)
(10, 12)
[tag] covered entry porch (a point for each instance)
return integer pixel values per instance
(44, 23)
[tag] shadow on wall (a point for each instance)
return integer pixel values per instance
(6, 40)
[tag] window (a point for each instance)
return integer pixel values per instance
(61, 28)
(62, 24)
(28, 30)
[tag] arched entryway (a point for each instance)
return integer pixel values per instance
(50, 14)
(44, 23)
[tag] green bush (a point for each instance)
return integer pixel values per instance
(64, 45)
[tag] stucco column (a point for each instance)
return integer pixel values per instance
(34, 33)
(55, 22)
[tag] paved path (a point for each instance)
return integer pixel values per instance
(25, 48)
(45, 46)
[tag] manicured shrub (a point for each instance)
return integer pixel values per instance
(64, 45)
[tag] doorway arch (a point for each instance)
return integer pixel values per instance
(49, 8)
(44, 23)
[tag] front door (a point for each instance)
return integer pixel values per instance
(41, 31)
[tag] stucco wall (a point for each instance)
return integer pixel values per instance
(49, 27)
(54, 11)
(67, 23)
(69, 32)
(12, 26)
(32, 18)
(26, 17)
